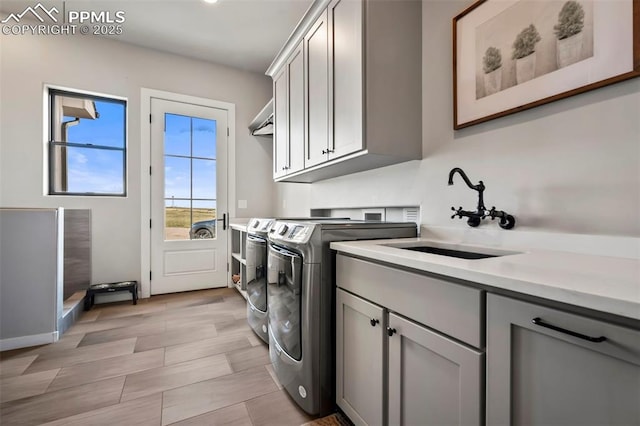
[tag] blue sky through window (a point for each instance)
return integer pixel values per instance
(190, 165)
(97, 170)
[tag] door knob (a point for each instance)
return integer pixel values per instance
(374, 321)
(391, 331)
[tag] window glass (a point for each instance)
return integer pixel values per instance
(87, 145)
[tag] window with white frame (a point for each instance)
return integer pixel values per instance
(87, 144)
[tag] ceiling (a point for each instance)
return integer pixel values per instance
(244, 34)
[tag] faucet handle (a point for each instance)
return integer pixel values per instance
(492, 213)
(457, 212)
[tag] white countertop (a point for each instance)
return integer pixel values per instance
(239, 224)
(606, 284)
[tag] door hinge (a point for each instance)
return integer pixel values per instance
(149, 223)
(149, 118)
(227, 131)
(227, 266)
(149, 275)
(149, 170)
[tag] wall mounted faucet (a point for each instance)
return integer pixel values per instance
(475, 217)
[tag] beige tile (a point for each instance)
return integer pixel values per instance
(255, 340)
(107, 368)
(180, 313)
(203, 319)
(15, 366)
(102, 324)
(276, 409)
(194, 301)
(161, 379)
(89, 316)
(145, 411)
(235, 326)
(187, 295)
(253, 356)
(235, 415)
(193, 400)
(65, 343)
(123, 311)
(272, 373)
(143, 329)
(19, 387)
(175, 337)
(68, 357)
(206, 347)
(64, 403)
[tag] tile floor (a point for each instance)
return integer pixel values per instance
(181, 359)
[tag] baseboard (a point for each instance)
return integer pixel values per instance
(26, 341)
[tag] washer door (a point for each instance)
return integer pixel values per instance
(284, 275)
(257, 272)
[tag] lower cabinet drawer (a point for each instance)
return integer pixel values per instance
(451, 308)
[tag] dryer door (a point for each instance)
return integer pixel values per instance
(284, 284)
(257, 272)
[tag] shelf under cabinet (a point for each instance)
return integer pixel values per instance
(238, 257)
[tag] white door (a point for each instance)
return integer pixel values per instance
(188, 197)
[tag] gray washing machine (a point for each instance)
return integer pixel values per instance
(256, 257)
(301, 303)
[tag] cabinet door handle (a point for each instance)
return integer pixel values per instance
(324, 151)
(391, 331)
(374, 321)
(541, 323)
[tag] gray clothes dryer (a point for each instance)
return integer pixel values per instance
(301, 303)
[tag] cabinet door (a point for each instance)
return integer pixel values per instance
(541, 376)
(345, 77)
(281, 125)
(317, 102)
(432, 380)
(295, 69)
(359, 365)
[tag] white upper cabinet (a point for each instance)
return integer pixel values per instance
(317, 61)
(362, 87)
(289, 133)
(345, 78)
(281, 125)
(295, 68)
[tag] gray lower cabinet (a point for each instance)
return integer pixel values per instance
(542, 369)
(359, 368)
(432, 380)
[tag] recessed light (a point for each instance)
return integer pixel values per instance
(211, 1)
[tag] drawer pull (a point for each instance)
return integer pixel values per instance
(374, 321)
(391, 331)
(538, 321)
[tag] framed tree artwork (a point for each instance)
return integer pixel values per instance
(512, 55)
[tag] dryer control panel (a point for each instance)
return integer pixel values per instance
(291, 232)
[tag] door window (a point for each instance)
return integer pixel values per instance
(190, 177)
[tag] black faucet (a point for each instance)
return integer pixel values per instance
(475, 217)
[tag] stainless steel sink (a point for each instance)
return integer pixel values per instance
(452, 250)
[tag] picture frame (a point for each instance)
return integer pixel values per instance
(512, 55)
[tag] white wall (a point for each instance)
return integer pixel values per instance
(111, 67)
(569, 167)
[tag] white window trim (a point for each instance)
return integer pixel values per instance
(145, 162)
